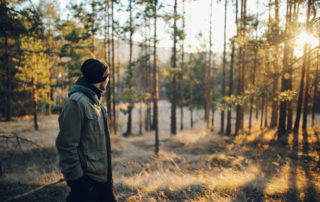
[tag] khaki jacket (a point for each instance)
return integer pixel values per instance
(83, 141)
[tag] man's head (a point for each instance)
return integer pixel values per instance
(96, 73)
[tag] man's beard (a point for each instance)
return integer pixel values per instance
(101, 87)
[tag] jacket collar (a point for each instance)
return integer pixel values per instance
(86, 88)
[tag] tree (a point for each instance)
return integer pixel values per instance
(240, 107)
(173, 125)
(130, 89)
(305, 61)
(11, 28)
(228, 129)
(155, 79)
(107, 48)
(182, 70)
(209, 84)
(306, 92)
(224, 65)
(315, 86)
(34, 73)
(290, 80)
(275, 86)
(207, 78)
(113, 72)
(284, 76)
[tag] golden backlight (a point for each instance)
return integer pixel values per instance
(303, 39)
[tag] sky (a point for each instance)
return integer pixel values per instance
(197, 20)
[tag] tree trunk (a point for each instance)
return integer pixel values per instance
(140, 118)
(34, 95)
(315, 91)
(290, 86)
(182, 72)
(240, 108)
(191, 106)
(150, 87)
(275, 85)
(299, 104)
(190, 90)
(207, 78)
(262, 111)
(93, 44)
(284, 80)
(253, 84)
(224, 65)
(173, 128)
(117, 83)
(257, 109)
(306, 92)
(228, 130)
(107, 60)
(130, 106)
(155, 80)
(8, 81)
(114, 115)
(266, 110)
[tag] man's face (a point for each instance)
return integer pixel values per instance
(103, 84)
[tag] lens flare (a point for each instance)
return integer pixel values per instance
(303, 39)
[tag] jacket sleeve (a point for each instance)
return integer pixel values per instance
(68, 140)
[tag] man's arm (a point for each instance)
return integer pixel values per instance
(67, 142)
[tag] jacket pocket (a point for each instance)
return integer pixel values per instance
(96, 162)
(91, 124)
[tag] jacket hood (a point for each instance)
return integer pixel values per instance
(87, 89)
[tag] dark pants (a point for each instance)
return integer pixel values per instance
(91, 191)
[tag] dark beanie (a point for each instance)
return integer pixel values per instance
(94, 71)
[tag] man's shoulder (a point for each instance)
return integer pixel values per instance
(79, 97)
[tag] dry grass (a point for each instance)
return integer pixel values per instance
(194, 165)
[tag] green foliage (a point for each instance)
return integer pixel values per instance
(194, 75)
(73, 48)
(170, 72)
(33, 71)
(287, 95)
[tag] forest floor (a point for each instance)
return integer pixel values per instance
(194, 165)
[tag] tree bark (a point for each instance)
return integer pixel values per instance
(228, 130)
(114, 115)
(306, 92)
(207, 90)
(173, 126)
(34, 94)
(275, 86)
(107, 60)
(253, 84)
(8, 80)
(156, 81)
(182, 72)
(224, 65)
(315, 91)
(284, 80)
(262, 111)
(240, 108)
(299, 104)
(130, 106)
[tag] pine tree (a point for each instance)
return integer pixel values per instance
(173, 125)
(228, 129)
(224, 65)
(34, 73)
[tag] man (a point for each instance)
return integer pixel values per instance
(83, 141)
